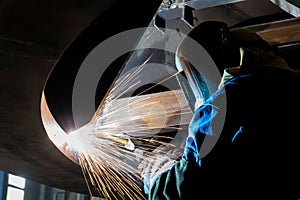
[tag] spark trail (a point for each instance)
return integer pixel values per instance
(124, 137)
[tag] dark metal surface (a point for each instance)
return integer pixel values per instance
(33, 36)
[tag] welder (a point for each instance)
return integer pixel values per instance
(255, 152)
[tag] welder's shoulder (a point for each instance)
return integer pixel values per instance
(248, 38)
(243, 34)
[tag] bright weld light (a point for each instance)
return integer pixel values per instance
(80, 141)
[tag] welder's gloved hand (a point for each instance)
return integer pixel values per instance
(199, 128)
(154, 169)
(157, 164)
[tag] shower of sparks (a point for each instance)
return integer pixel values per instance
(121, 141)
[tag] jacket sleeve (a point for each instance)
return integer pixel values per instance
(191, 174)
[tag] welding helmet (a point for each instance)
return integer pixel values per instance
(202, 55)
(217, 39)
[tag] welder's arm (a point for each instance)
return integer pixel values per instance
(174, 172)
(179, 181)
(199, 128)
(194, 174)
